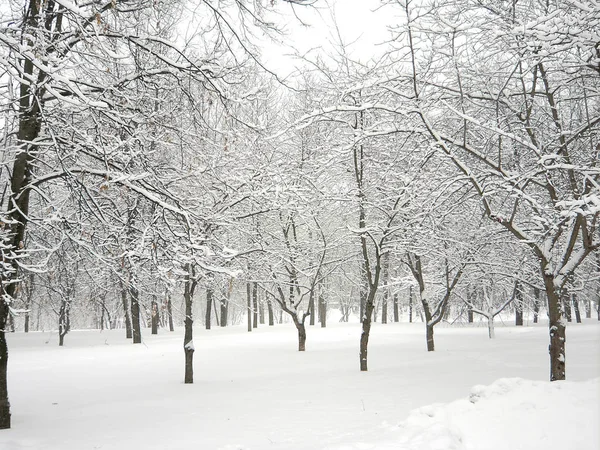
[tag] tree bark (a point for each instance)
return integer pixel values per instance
(410, 304)
(64, 320)
(588, 308)
(322, 309)
(255, 305)
(209, 301)
(135, 315)
(249, 305)
(366, 329)
(301, 334)
(396, 309)
(128, 331)
(311, 308)
(429, 337)
(224, 311)
(536, 304)
(155, 316)
(270, 312)
(170, 313)
(491, 330)
(4, 402)
(557, 329)
(576, 307)
(519, 305)
(188, 339)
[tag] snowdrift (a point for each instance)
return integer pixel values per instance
(511, 413)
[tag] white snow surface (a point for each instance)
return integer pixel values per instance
(254, 391)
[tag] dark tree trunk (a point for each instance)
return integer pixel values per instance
(224, 311)
(135, 316)
(261, 313)
(209, 305)
(363, 299)
(396, 308)
(536, 304)
(26, 324)
(270, 310)
(188, 339)
(4, 403)
(301, 334)
(518, 305)
(471, 297)
(255, 305)
(576, 307)
(249, 306)
(128, 332)
(428, 327)
(155, 316)
(566, 304)
(64, 321)
(557, 329)
(170, 313)
(366, 330)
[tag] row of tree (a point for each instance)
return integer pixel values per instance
(143, 162)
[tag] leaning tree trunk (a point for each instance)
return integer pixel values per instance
(557, 329)
(135, 316)
(576, 307)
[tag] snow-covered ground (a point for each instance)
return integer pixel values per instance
(254, 391)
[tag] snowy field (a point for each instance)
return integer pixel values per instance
(254, 391)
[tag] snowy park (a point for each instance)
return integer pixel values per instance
(254, 391)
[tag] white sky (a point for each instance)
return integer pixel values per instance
(362, 24)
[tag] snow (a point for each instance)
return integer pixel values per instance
(254, 391)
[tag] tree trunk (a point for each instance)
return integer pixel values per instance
(410, 304)
(396, 311)
(311, 308)
(536, 304)
(470, 317)
(4, 403)
(209, 301)
(188, 339)
(170, 313)
(557, 329)
(429, 337)
(491, 330)
(471, 297)
(261, 312)
(155, 316)
(566, 304)
(135, 316)
(63, 321)
(301, 334)
(249, 307)
(518, 305)
(270, 312)
(366, 330)
(322, 310)
(588, 308)
(255, 305)
(224, 311)
(128, 331)
(576, 307)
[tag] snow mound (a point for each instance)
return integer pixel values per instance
(511, 413)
